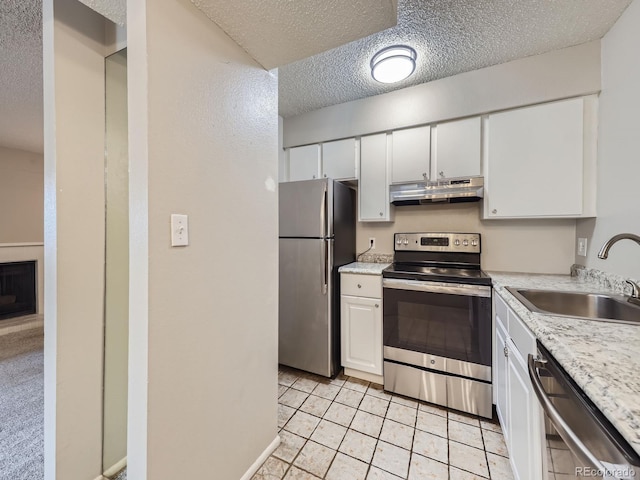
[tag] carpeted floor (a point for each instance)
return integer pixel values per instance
(121, 476)
(22, 405)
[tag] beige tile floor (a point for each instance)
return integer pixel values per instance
(348, 429)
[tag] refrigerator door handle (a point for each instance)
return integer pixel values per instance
(323, 211)
(325, 265)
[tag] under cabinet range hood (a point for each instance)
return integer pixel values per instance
(449, 190)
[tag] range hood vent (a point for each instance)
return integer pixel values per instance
(451, 190)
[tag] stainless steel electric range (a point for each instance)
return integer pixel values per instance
(437, 321)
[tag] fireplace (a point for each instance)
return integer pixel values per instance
(17, 289)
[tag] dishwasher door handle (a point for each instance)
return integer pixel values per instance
(574, 443)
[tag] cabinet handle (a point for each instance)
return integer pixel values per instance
(325, 175)
(314, 176)
(381, 214)
(359, 286)
(506, 352)
(377, 306)
(424, 175)
(494, 211)
(442, 173)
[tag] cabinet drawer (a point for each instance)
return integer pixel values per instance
(361, 285)
(501, 309)
(522, 337)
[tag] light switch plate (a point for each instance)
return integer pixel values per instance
(179, 230)
(582, 247)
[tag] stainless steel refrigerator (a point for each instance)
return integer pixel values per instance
(317, 236)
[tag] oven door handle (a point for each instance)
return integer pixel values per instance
(574, 443)
(437, 287)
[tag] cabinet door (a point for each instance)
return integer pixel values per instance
(410, 154)
(501, 385)
(373, 188)
(361, 334)
(535, 161)
(524, 439)
(339, 159)
(456, 147)
(304, 163)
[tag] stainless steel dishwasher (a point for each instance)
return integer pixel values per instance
(580, 442)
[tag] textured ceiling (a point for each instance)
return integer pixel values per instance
(114, 10)
(450, 36)
(277, 32)
(21, 74)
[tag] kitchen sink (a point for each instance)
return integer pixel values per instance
(609, 308)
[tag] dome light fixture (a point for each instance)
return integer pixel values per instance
(392, 64)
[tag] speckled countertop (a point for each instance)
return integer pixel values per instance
(602, 358)
(363, 268)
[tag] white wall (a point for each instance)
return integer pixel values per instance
(537, 246)
(73, 58)
(21, 196)
(618, 151)
(22, 211)
(203, 336)
(559, 74)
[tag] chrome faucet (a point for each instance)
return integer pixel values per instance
(604, 253)
(635, 292)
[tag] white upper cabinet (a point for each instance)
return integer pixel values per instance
(539, 161)
(339, 159)
(411, 149)
(304, 163)
(373, 188)
(456, 149)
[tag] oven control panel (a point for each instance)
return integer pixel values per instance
(437, 242)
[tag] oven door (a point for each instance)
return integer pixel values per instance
(444, 320)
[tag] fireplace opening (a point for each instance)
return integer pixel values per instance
(17, 289)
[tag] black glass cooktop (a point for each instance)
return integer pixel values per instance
(437, 273)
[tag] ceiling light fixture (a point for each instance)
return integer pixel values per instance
(392, 64)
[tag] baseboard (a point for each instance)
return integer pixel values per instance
(369, 377)
(20, 324)
(115, 468)
(261, 459)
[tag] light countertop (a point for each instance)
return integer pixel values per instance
(364, 268)
(602, 358)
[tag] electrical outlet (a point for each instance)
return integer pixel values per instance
(582, 247)
(372, 243)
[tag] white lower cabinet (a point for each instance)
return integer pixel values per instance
(517, 406)
(500, 380)
(361, 325)
(524, 435)
(362, 334)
